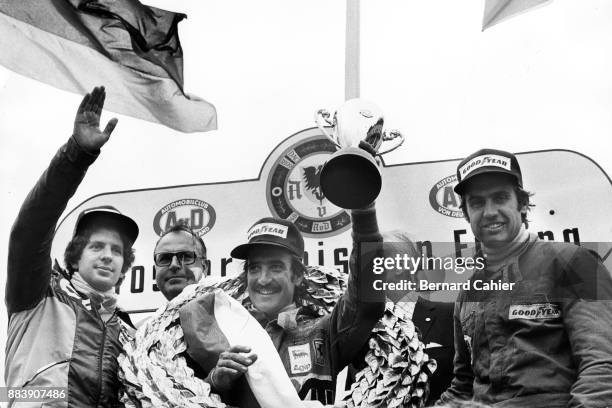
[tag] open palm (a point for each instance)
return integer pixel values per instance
(87, 121)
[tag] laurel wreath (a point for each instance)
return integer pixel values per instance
(154, 371)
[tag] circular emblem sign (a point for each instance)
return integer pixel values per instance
(197, 214)
(443, 199)
(294, 190)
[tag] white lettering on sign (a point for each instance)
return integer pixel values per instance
(268, 228)
(535, 311)
(299, 358)
(482, 161)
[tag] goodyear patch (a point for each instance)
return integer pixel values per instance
(535, 311)
(484, 161)
(299, 358)
(268, 228)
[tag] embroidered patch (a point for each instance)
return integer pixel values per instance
(493, 160)
(319, 351)
(535, 311)
(299, 358)
(268, 228)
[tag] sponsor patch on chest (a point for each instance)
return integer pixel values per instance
(535, 311)
(299, 358)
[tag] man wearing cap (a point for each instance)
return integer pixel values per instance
(64, 327)
(546, 341)
(313, 348)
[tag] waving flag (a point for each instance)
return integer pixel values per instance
(132, 49)
(497, 11)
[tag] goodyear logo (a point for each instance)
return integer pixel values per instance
(294, 189)
(443, 199)
(493, 160)
(268, 228)
(535, 311)
(197, 214)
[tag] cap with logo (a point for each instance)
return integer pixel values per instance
(106, 215)
(274, 232)
(487, 161)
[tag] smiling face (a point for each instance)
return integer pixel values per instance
(271, 281)
(493, 209)
(102, 259)
(172, 279)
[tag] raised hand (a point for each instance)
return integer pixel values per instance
(87, 121)
(232, 364)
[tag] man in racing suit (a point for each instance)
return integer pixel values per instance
(63, 326)
(313, 348)
(544, 341)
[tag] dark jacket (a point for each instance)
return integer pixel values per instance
(56, 337)
(435, 322)
(546, 342)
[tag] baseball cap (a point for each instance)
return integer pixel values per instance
(487, 161)
(106, 214)
(275, 232)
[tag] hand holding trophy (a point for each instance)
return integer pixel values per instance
(351, 178)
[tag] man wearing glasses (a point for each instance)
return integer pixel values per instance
(180, 260)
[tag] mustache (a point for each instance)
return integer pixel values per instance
(271, 286)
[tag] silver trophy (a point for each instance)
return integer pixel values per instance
(351, 177)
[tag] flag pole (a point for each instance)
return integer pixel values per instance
(351, 56)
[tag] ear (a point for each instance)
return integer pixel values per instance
(75, 267)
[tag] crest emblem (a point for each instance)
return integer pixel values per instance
(294, 189)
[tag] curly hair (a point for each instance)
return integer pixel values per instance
(522, 196)
(77, 244)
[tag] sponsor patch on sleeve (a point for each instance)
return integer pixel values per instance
(299, 358)
(535, 311)
(268, 228)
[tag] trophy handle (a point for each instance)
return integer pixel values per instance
(389, 135)
(322, 119)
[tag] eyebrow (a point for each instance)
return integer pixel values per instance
(99, 242)
(270, 262)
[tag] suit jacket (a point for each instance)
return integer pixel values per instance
(435, 321)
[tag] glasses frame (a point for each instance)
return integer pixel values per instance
(176, 254)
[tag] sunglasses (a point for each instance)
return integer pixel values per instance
(184, 258)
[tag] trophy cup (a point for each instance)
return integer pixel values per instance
(351, 178)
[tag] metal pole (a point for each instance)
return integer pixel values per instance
(351, 57)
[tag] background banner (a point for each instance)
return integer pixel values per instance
(572, 194)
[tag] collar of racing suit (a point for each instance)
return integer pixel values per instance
(107, 300)
(497, 257)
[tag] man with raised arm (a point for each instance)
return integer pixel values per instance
(64, 326)
(313, 348)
